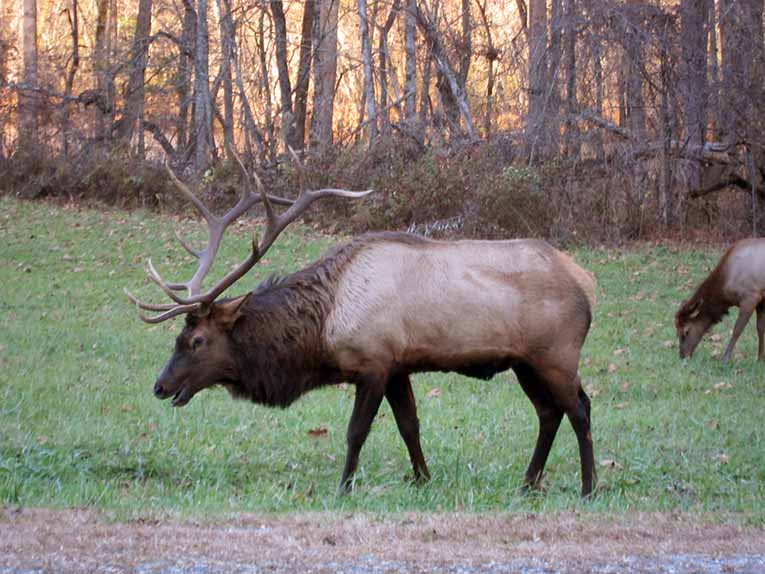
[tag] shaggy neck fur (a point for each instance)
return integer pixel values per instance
(278, 340)
(709, 298)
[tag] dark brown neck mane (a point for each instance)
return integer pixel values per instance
(279, 338)
(709, 299)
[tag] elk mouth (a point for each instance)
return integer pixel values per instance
(182, 397)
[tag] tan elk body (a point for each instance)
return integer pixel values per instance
(376, 309)
(738, 280)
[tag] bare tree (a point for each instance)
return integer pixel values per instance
(304, 75)
(369, 86)
(282, 66)
(410, 83)
(134, 93)
(227, 43)
(28, 99)
(693, 21)
(100, 59)
(202, 102)
(536, 127)
(325, 72)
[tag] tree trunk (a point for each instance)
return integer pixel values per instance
(304, 75)
(28, 100)
(449, 80)
(410, 47)
(265, 86)
(634, 101)
(714, 71)
(227, 36)
(693, 39)
(552, 103)
(369, 85)
(325, 73)
(569, 64)
(101, 69)
(134, 95)
(384, 56)
(202, 103)
(184, 74)
(74, 64)
(537, 141)
(282, 66)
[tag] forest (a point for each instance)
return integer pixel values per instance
(575, 120)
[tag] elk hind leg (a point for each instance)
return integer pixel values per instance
(566, 389)
(550, 416)
(401, 399)
(369, 395)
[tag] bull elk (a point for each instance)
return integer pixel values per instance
(375, 310)
(737, 281)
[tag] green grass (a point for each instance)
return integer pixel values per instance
(79, 425)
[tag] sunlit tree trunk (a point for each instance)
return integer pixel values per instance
(410, 46)
(304, 74)
(325, 73)
(369, 86)
(101, 68)
(183, 78)
(134, 95)
(28, 99)
(74, 64)
(283, 71)
(384, 56)
(536, 126)
(202, 104)
(227, 39)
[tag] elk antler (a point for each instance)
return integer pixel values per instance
(275, 224)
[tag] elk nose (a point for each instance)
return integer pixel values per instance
(159, 392)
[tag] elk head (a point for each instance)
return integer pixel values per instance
(690, 325)
(203, 355)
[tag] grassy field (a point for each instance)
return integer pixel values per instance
(79, 425)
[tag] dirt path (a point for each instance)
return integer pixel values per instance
(69, 541)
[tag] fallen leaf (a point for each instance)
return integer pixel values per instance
(620, 406)
(713, 425)
(612, 368)
(624, 386)
(721, 457)
(610, 463)
(318, 432)
(618, 352)
(434, 392)
(42, 439)
(716, 338)
(668, 344)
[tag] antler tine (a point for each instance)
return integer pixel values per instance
(194, 300)
(186, 192)
(170, 309)
(187, 246)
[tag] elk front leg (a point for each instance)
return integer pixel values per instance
(401, 399)
(369, 394)
(744, 314)
(550, 416)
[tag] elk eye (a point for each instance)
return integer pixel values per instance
(197, 342)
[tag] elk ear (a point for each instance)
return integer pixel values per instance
(696, 309)
(227, 313)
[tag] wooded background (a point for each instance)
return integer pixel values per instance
(570, 119)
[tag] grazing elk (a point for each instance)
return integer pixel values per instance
(377, 309)
(737, 281)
